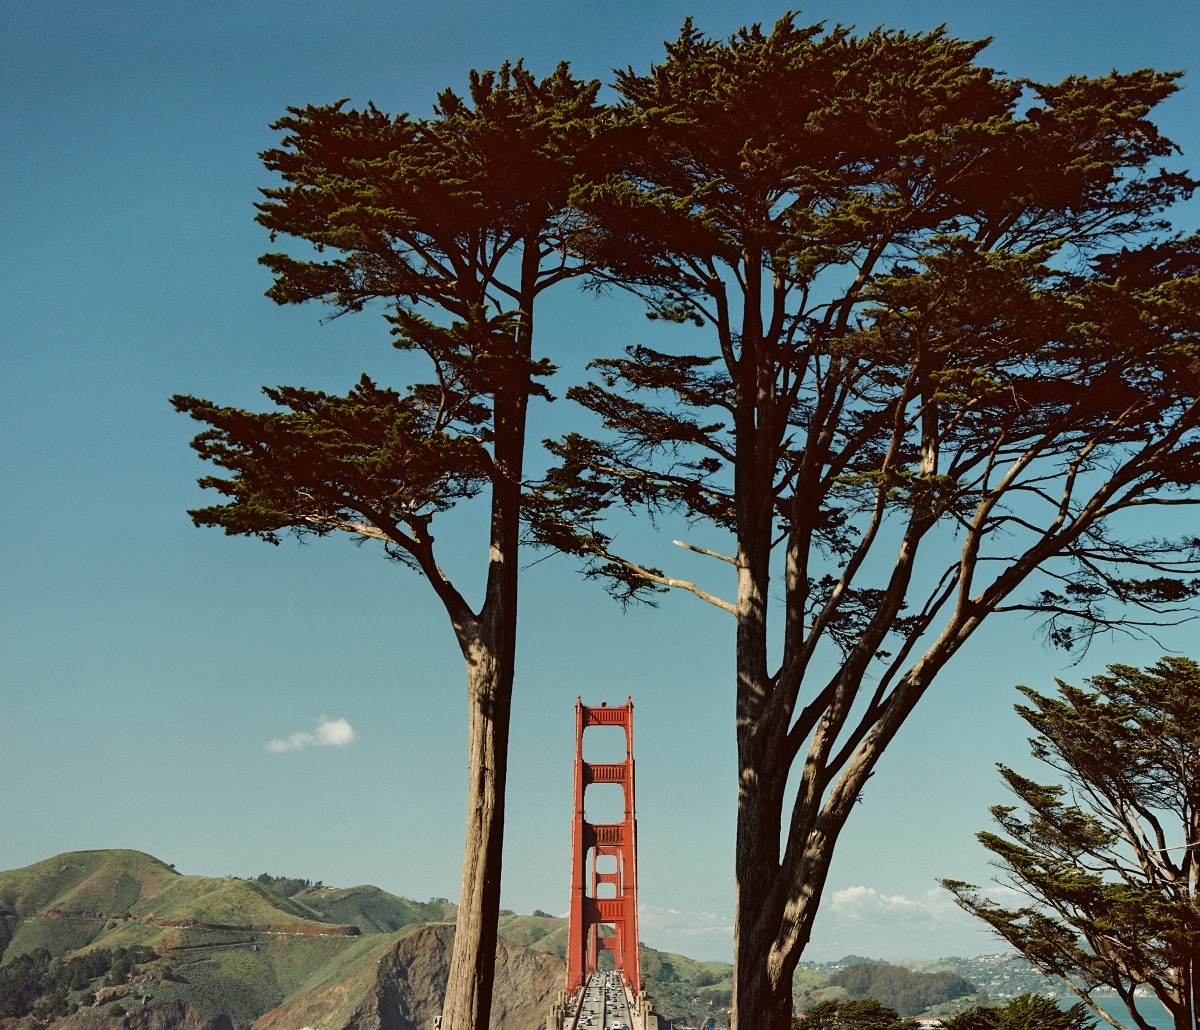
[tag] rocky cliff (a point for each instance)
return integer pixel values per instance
(402, 989)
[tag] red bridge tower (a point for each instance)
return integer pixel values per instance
(594, 840)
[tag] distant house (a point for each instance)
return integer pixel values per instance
(928, 1022)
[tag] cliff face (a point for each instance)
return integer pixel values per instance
(402, 989)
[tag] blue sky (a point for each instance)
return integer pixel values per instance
(145, 666)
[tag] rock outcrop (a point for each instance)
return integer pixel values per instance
(404, 987)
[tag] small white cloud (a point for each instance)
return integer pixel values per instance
(703, 935)
(331, 732)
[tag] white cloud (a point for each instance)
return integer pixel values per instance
(865, 921)
(330, 732)
(859, 904)
(692, 932)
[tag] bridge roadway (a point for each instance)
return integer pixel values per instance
(605, 1005)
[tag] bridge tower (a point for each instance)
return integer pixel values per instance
(590, 841)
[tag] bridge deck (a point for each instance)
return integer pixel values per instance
(605, 1005)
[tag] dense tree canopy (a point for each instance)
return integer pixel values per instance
(901, 989)
(38, 982)
(1108, 863)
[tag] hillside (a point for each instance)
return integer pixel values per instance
(222, 953)
(402, 987)
(1000, 977)
(68, 902)
(370, 909)
(276, 953)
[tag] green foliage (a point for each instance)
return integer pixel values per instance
(908, 993)
(1025, 1012)
(454, 214)
(1112, 901)
(864, 1014)
(39, 982)
(287, 886)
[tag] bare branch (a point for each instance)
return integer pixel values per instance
(703, 550)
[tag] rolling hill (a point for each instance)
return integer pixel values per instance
(235, 954)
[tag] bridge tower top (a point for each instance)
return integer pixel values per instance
(591, 841)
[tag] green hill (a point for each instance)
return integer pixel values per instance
(224, 901)
(541, 933)
(177, 952)
(370, 909)
(121, 898)
(91, 886)
(99, 882)
(898, 988)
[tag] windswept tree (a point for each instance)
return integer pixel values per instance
(924, 381)
(1110, 863)
(456, 224)
(1024, 1012)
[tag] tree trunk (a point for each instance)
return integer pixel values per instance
(472, 968)
(489, 647)
(757, 1004)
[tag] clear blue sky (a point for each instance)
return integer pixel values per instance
(144, 664)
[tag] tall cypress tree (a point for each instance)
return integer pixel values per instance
(921, 382)
(457, 223)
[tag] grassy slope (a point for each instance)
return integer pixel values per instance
(370, 909)
(244, 973)
(225, 901)
(104, 882)
(546, 934)
(240, 973)
(99, 887)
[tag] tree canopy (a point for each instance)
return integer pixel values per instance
(455, 217)
(1024, 1012)
(907, 992)
(1108, 863)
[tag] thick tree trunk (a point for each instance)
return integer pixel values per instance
(472, 968)
(490, 653)
(757, 1004)
(762, 981)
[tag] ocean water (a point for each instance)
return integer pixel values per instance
(1151, 1010)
